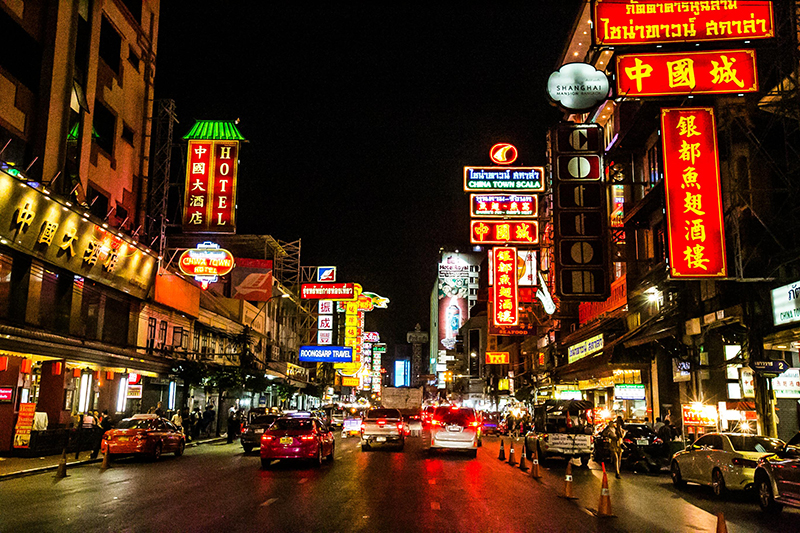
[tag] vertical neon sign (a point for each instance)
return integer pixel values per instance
(505, 308)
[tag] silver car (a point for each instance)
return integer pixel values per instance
(457, 428)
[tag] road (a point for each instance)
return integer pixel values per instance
(219, 488)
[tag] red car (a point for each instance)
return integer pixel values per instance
(143, 435)
(297, 438)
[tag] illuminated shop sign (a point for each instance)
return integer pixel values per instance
(584, 348)
(497, 358)
(372, 336)
(699, 415)
(529, 179)
(326, 274)
(504, 232)
(505, 298)
(39, 226)
(629, 392)
(717, 72)
(350, 382)
(6, 394)
(577, 86)
(326, 354)
(209, 204)
(503, 153)
(786, 304)
(526, 267)
(691, 181)
(504, 205)
(206, 263)
(620, 22)
(329, 291)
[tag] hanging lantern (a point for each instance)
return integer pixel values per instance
(76, 372)
(109, 376)
(96, 375)
(3, 363)
(26, 366)
(57, 368)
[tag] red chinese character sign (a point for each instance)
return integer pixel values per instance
(717, 72)
(505, 305)
(621, 22)
(694, 204)
(502, 232)
(210, 197)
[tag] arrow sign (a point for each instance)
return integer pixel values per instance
(770, 367)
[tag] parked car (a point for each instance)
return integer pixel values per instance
(490, 424)
(457, 428)
(294, 437)
(777, 478)
(145, 434)
(723, 460)
(252, 431)
(382, 426)
(561, 428)
(642, 449)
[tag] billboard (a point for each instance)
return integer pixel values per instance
(504, 205)
(326, 354)
(665, 74)
(504, 294)
(453, 292)
(209, 204)
(251, 279)
(529, 179)
(692, 186)
(504, 232)
(622, 22)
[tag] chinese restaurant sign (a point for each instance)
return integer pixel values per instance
(691, 181)
(717, 72)
(621, 22)
(505, 287)
(504, 205)
(497, 358)
(328, 291)
(22, 431)
(210, 199)
(501, 232)
(530, 179)
(39, 226)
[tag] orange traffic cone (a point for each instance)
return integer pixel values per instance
(522, 465)
(568, 482)
(62, 465)
(604, 507)
(535, 473)
(106, 461)
(502, 455)
(511, 459)
(721, 527)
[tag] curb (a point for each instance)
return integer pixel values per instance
(51, 468)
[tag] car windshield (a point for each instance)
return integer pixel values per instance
(263, 420)
(282, 424)
(754, 443)
(383, 413)
(135, 423)
(461, 417)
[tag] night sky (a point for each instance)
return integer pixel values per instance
(360, 120)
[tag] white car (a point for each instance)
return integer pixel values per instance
(722, 460)
(456, 428)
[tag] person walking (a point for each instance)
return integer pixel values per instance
(186, 423)
(197, 423)
(208, 420)
(615, 434)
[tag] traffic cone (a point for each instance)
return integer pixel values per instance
(721, 527)
(535, 473)
(502, 455)
(568, 482)
(62, 465)
(106, 461)
(511, 459)
(604, 507)
(522, 465)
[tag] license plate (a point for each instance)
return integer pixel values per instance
(454, 428)
(642, 442)
(123, 439)
(259, 431)
(380, 439)
(286, 440)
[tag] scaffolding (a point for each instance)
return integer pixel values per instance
(158, 192)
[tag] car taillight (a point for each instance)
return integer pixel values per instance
(306, 437)
(267, 438)
(437, 422)
(746, 463)
(627, 441)
(474, 423)
(363, 427)
(381, 423)
(399, 426)
(658, 441)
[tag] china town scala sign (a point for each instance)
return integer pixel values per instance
(206, 263)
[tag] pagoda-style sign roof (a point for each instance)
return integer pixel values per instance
(214, 130)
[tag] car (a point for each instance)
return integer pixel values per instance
(293, 437)
(642, 450)
(145, 434)
(561, 428)
(725, 461)
(455, 428)
(777, 478)
(490, 425)
(413, 421)
(383, 426)
(251, 433)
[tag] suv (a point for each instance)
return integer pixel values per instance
(561, 428)
(382, 426)
(455, 428)
(252, 432)
(777, 478)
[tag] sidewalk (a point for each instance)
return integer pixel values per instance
(11, 467)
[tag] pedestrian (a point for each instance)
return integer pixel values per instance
(196, 423)
(186, 423)
(89, 430)
(208, 419)
(657, 425)
(177, 420)
(232, 426)
(103, 424)
(615, 433)
(159, 409)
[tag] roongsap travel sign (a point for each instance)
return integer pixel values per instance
(577, 86)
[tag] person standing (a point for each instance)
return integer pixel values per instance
(88, 430)
(615, 434)
(177, 420)
(232, 426)
(196, 423)
(186, 423)
(208, 419)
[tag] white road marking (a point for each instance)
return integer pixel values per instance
(269, 502)
(435, 506)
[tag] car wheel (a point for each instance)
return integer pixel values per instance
(766, 500)
(265, 463)
(333, 449)
(157, 451)
(247, 448)
(718, 483)
(675, 472)
(318, 460)
(585, 461)
(180, 448)
(364, 447)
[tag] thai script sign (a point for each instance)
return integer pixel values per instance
(717, 72)
(505, 300)
(326, 354)
(692, 186)
(502, 232)
(786, 304)
(584, 348)
(328, 291)
(504, 178)
(620, 22)
(504, 205)
(209, 204)
(629, 392)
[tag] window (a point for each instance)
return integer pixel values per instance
(121, 212)
(110, 45)
(196, 341)
(135, 7)
(6, 265)
(151, 332)
(105, 124)
(20, 54)
(127, 134)
(162, 333)
(98, 202)
(55, 302)
(116, 319)
(177, 336)
(90, 310)
(133, 59)
(654, 173)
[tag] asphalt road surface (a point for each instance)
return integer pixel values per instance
(219, 488)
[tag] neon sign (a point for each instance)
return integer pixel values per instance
(206, 263)
(504, 178)
(210, 200)
(717, 72)
(497, 358)
(620, 22)
(505, 299)
(504, 205)
(501, 232)
(691, 182)
(329, 291)
(503, 153)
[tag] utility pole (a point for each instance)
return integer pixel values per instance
(754, 312)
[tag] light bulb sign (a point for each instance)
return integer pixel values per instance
(206, 263)
(528, 179)
(504, 205)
